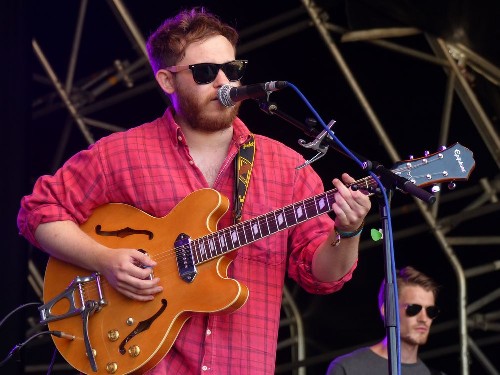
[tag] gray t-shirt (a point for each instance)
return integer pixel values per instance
(363, 361)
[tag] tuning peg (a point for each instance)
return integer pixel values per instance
(436, 188)
(452, 186)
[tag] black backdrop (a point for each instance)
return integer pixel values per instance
(27, 146)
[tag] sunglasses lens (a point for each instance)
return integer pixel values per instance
(412, 310)
(234, 70)
(432, 312)
(205, 72)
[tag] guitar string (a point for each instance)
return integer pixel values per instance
(288, 211)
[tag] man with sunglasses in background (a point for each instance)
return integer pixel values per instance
(195, 145)
(417, 295)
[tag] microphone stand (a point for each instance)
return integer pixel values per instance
(390, 182)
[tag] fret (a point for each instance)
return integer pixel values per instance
(301, 211)
(281, 219)
(271, 222)
(255, 228)
(245, 226)
(235, 240)
(310, 207)
(290, 216)
(196, 251)
(264, 226)
(211, 246)
(203, 250)
(227, 237)
(222, 242)
(241, 230)
(323, 204)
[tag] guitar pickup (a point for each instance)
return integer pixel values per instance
(76, 290)
(185, 260)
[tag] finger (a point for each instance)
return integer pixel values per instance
(137, 297)
(344, 196)
(352, 197)
(139, 272)
(140, 287)
(347, 178)
(143, 258)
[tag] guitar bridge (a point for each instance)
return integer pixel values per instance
(75, 290)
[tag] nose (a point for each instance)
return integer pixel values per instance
(422, 316)
(220, 79)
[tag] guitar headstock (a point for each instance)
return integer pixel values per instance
(452, 164)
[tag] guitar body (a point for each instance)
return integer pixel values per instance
(211, 291)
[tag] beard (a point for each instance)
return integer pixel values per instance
(192, 109)
(415, 339)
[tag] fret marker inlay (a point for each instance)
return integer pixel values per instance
(299, 212)
(321, 204)
(255, 229)
(280, 219)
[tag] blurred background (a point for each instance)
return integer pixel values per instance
(399, 78)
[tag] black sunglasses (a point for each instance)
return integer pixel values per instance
(206, 72)
(414, 309)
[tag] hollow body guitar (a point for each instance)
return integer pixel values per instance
(108, 333)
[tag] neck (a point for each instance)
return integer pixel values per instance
(408, 352)
(199, 139)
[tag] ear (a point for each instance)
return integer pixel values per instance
(165, 80)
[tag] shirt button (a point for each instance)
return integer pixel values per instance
(179, 138)
(191, 162)
(204, 368)
(209, 332)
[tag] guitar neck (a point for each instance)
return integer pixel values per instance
(231, 238)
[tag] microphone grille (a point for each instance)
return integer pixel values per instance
(224, 95)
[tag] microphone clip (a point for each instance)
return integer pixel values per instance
(318, 145)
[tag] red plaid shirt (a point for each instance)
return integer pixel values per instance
(150, 168)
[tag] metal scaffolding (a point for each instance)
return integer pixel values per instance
(124, 79)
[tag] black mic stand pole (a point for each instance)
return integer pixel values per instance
(390, 182)
(390, 305)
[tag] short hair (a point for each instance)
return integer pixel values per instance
(167, 45)
(409, 276)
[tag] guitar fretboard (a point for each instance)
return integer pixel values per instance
(231, 238)
(246, 232)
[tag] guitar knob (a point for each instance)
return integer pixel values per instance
(134, 351)
(426, 153)
(442, 148)
(410, 157)
(452, 185)
(436, 189)
(111, 367)
(113, 335)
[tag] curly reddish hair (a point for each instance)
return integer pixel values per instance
(167, 45)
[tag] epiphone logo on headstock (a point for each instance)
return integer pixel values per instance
(459, 160)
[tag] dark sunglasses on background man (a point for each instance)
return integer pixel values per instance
(206, 72)
(414, 309)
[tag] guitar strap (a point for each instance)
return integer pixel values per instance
(243, 169)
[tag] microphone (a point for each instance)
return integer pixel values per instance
(229, 95)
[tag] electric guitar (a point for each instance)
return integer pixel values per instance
(100, 331)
